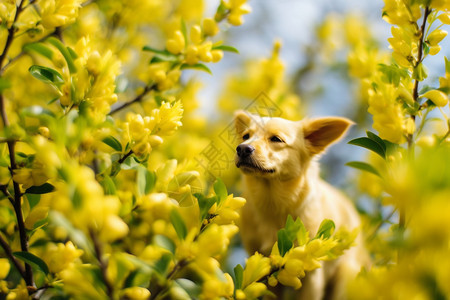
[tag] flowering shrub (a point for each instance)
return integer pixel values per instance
(99, 199)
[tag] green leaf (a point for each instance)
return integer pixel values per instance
(145, 180)
(161, 52)
(163, 263)
(72, 53)
(420, 72)
(36, 111)
(130, 163)
(164, 242)
(39, 48)
(108, 185)
(4, 84)
(46, 75)
(65, 53)
(192, 289)
(221, 190)
(377, 139)
(392, 73)
(238, 276)
(178, 224)
(33, 200)
(292, 227)
(226, 48)
(364, 167)
(113, 143)
(326, 228)
(369, 144)
(200, 67)
(426, 48)
(302, 235)
(42, 189)
(284, 243)
(447, 65)
(205, 204)
(32, 260)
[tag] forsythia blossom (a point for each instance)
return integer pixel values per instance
(56, 13)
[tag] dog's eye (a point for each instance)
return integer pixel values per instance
(276, 139)
(246, 136)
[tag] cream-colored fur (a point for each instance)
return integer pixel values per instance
(278, 159)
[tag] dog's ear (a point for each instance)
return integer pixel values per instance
(241, 121)
(322, 132)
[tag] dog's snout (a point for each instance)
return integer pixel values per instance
(244, 150)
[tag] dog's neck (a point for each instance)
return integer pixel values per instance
(274, 196)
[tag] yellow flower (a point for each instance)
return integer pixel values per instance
(30, 177)
(136, 293)
(38, 213)
(60, 256)
(387, 113)
(176, 43)
(436, 36)
(400, 13)
(4, 268)
(237, 8)
(438, 97)
(167, 118)
(56, 13)
(210, 27)
(257, 266)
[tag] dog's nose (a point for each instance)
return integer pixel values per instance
(244, 150)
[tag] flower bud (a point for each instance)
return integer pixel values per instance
(437, 97)
(196, 34)
(436, 36)
(210, 27)
(136, 293)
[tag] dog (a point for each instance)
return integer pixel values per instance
(278, 159)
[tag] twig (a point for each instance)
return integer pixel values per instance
(138, 98)
(22, 53)
(410, 136)
(11, 257)
(11, 32)
(177, 268)
(125, 157)
(102, 263)
(28, 275)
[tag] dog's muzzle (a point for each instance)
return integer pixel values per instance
(244, 150)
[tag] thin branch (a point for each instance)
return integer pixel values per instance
(102, 263)
(22, 53)
(11, 33)
(4, 189)
(125, 157)
(162, 289)
(28, 275)
(138, 98)
(11, 257)
(410, 136)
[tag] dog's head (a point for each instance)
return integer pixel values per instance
(278, 148)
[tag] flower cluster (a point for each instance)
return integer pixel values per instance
(143, 133)
(288, 264)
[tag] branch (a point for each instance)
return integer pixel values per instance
(138, 98)
(102, 263)
(22, 53)
(17, 204)
(120, 161)
(11, 257)
(11, 32)
(162, 289)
